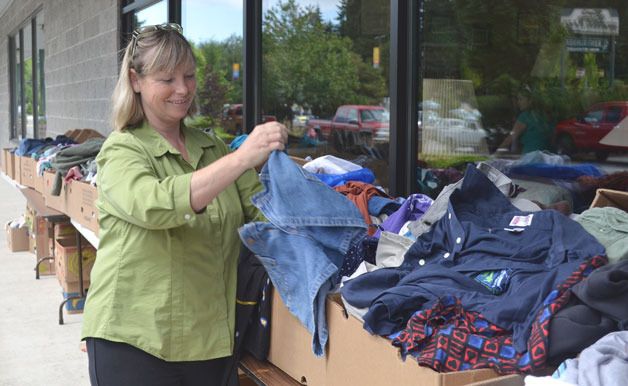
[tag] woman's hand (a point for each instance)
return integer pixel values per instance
(517, 130)
(208, 182)
(261, 142)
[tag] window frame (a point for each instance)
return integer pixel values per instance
(403, 88)
(16, 132)
(129, 8)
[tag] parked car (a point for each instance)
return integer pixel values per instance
(463, 134)
(453, 135)
(354, 125)
(232, 119)
(583, 134)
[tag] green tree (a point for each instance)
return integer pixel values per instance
(216, 85)
(306, 63)
(28, 85)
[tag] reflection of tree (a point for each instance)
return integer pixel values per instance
(367, 24)
(28, 85)
(308, 64)
(501, 44)
(214, 77)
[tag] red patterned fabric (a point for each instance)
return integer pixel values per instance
(448, 338)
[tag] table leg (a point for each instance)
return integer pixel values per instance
(81, 295)
(39, 262)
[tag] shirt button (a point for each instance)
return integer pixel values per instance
(421, 262)
(187, 217)
(458, 240)
(446, 255)
(449, 216)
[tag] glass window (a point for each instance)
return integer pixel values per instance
(215, 32)
(28, 79)
(375, 116)
(214, 29)
(537, 67)
(319, 56)
(352, 117)
(614, 114)
(41, 80)
(17, 89)
(153, 14)
(27, 83)
(211, 21)
(342, 115)
(594, 116)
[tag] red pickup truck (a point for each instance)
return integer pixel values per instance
(354, 125)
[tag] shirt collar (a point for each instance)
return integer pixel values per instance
(477, 196)
(195, 142)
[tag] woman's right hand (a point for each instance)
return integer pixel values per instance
(264, 139)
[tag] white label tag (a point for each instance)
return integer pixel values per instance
(521, 221)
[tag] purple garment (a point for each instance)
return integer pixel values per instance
(411, 210)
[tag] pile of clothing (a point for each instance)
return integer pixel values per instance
(475, 278)
(71, 155)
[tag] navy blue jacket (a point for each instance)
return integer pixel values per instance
(481, 231)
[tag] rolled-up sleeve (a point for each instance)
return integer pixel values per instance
(130, 189)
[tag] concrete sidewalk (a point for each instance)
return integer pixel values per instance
(34, 349)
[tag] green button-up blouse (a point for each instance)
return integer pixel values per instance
(165, 277)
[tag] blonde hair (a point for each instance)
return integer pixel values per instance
(160, 50)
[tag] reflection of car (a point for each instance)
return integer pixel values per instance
(232, 119)
(354, 125)
(446, 135)
(585, 132)
(428, 117)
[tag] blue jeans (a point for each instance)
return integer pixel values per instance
(311, 227)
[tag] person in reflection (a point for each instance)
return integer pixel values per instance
(531, 131)
(160, 308)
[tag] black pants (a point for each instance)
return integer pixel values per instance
(120, 364)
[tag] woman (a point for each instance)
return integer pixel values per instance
(161, 304)
(530, 131)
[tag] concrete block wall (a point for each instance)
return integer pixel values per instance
(81, 61)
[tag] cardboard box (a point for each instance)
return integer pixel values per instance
(298, 160)
(506, 380)
(82, 135)
(612, 198)
(291, 346)
(27, 171)
(64, 230)
(38, 181)
(17, 171)
(66, 260)
(353, 355)
(46, 267)
(74, 306)
(81, 204)
(54, 202)
(17, 238)
(8, 163)
(61, 231)
(3, 161)
(38, 241)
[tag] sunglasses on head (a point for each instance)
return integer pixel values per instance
(147, 29)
